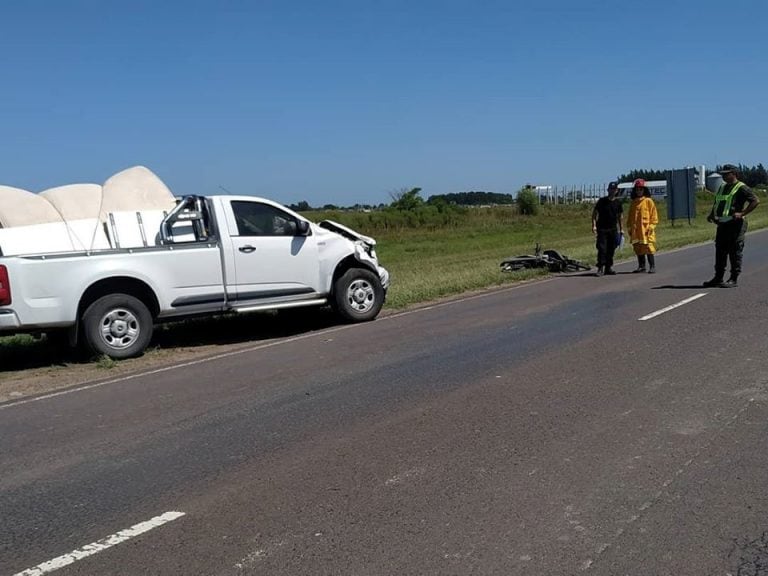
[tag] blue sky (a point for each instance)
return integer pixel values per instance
(347, 101)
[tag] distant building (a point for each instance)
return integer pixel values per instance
(545, 193)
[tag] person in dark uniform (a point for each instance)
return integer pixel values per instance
(606, 225)
(733, 201)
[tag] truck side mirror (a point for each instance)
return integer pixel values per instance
(302, 227)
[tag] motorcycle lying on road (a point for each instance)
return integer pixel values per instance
(552, 260)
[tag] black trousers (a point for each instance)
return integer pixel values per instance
(729, 244)
(606, 247)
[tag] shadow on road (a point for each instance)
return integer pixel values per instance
(577, 275)
(591, 274)
(678, 287)
(24, 352)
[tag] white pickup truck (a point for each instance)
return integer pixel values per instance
(208, 255)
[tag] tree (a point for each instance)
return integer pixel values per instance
(633, 175)
(405, 199)
(473, 198)
(528, 201)
(751, 175)
(302, 206)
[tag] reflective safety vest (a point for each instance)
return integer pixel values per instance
(727, 199)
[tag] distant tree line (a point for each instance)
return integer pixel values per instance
(407, 210)
(472, 198)
(750, 175)
(410, 200)
(633, 175)
(304, 206)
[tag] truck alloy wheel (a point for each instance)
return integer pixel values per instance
(117, 325)
(358, 295)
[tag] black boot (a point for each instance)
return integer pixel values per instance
(640, 264)
(651, 264)
(732, 282)
(716, 282)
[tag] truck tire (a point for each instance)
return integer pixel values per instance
(358, 295)
(118, 325)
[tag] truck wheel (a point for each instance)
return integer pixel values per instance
(117, 325)
(358, 295)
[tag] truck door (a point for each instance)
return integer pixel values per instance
(271, 258)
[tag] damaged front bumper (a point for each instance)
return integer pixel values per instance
(365, 253)
(384, 277)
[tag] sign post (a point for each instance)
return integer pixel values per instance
(681, 194)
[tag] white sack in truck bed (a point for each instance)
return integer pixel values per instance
(123, 213)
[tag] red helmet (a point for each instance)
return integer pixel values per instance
(639, 183)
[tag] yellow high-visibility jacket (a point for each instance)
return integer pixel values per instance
(642, 221)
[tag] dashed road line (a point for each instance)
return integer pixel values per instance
(673, 306)
(100, 545)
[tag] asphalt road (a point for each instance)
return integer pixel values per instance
(542, 429)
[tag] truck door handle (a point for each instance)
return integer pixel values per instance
(247, 249)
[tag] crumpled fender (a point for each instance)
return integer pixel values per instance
(346, 232)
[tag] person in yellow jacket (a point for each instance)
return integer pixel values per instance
(641, 226)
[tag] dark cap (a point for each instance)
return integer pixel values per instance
(613, 186)
(727, 169)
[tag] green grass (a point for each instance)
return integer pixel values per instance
(25, 349)
(105, 362)
(18, 342)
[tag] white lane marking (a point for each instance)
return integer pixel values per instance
(403, 476)
(673, 306)
(100, 545)
(89, 386)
